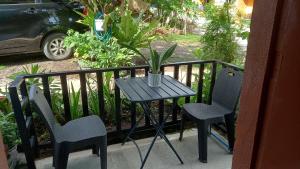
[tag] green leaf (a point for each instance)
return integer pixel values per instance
(135, 50)
(88, 20)
(134, 32)
(155, 59)
(74, 99)
(167, 54)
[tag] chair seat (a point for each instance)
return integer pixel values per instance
(81, 129)
(202, 111)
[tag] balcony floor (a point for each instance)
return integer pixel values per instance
(161, 156)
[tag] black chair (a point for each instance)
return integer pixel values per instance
(225, 97)
(75, 135)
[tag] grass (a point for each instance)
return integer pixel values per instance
(2, 67)
(189, 38)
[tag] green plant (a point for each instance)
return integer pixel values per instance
(94, 53)
(243, 27)
(106, 7)
(109, 96)
(57, 103)
(99, 5)
(175, 14)
(219, 39)
(93, 98)
(2, 67)
(155, 60)
(205, 87)
(35, 69)
(134, 31)
(88, 20)
(109, 99)
(5, 105)
(75, 103)
(56, 97)
(28, 70)
(8, 129)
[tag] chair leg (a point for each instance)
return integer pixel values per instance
(202, 141)
(183, 118)
(56, 150)
(96, 149)
(103, 152)
(54, 156)
(61, 159)
(230, 125)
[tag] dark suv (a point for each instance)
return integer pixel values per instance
(29, 26)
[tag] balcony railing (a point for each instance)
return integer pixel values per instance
(24, 116)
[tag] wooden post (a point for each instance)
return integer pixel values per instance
(268, 124)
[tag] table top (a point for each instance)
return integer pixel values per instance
(136, 89)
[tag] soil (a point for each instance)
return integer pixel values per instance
(14, 64)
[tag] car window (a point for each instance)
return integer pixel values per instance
(16, 1)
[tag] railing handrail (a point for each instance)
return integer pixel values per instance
(230, 65)
(17, 82)
(111, 69)
(20, 78)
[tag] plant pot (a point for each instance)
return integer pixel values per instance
(154, 80)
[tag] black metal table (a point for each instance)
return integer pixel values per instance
(137, 91)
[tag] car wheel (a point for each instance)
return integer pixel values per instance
(53, 47)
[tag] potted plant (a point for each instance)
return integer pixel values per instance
(155, 61)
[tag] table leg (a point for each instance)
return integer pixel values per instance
(148, 151)
(158, 127)
(131, 130)
(152, 143)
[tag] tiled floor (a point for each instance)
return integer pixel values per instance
(161, 157)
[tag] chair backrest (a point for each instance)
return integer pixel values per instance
(42, 107)
(227, 88)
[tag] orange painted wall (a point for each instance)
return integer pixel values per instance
(249, 2)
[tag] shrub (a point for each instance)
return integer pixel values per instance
(4, 103)
(219, 40)
(94, 53)
(134, 32)
(8, 129)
